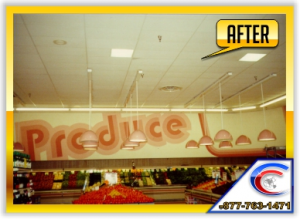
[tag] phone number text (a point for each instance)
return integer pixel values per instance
(254, 205)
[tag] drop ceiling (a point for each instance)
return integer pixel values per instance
(50, 75)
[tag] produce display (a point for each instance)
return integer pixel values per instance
(222, 188)
(94, 178)
(199, 178)
(57, 185)
(159, 177)
(50, 180)
(118, 194)
(190, 176)
(209, 185)
(93, 187)
(74, 180)
(42, 181)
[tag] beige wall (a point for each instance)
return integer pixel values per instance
(169, 147)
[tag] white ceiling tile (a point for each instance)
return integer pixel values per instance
(55, 31)
(112, 34)
(252, 72)
(151, 74)
(233, 64)
(210, 21)
(181, 82)
(20, 93)
(151, 36)
(203, 48)
(102, 68)
(197, 55)
(20, 30)
(171, 23)
(270, 64)
(74, 92)
(60, 50)
(18, 19)
(99, 52)
(60, 59)
(216, 71)
(181, 70)
(107, 83)
(110, 44)
(139, 63)
(149, 54)
(72, 70)
(28, 71)
(27, 61)
(109, 21)
(63, 20)
(189, 74)
(23, 41)
(200, 38)
(175, 17)
(105, 93)
(148, 81)
(25, 50)
(55, 68)
(176, 59)
(105, 104)
(118, 75)
(46, 41)
(149, 67)
(61, 79)
(163, 46)
(109, 60)
(195, 62)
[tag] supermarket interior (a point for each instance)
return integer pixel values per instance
(122, 109)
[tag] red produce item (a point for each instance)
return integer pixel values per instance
(113, 195)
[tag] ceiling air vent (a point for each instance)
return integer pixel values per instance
(170, 88)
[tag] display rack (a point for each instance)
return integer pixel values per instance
(194, 196)
(22, 187)
(275, 151)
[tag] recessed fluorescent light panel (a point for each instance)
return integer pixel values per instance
(123, 53)
(251, 57)
(42, 109)
(244, 108)
(96, 109)
(216, 110)
(273, 101)
(187, 110)
(145, 110)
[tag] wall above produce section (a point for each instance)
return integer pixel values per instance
(55, 136)
(64, 165)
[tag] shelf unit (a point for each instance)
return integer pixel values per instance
(201, 197)
(28, 192)
(275, 151)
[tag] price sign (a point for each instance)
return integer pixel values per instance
(215, 173)
(224, 177)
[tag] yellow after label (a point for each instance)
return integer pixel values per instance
(236, 34)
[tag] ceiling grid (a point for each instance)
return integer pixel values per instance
(56, 75)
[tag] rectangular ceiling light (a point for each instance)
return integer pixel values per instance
(252, 57)
(273, 101)
(216, 110)
(95, 109)
(244, 108)
(124, 53)
(145, 110)
(187, 110)
(42, 109)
